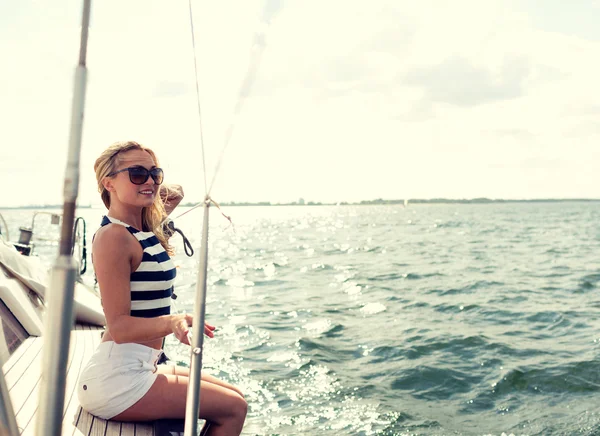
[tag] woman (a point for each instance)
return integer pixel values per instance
(135, 274)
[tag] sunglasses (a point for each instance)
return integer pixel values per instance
(139, 175)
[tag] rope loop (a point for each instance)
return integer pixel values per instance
(208, 201)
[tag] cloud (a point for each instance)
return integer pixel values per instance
(271, 9)
(384, 98)
(581, 109)
(520, 134)
(584, 129)
(458, 82)
(167, 88)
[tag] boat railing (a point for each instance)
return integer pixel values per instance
(28, 237)
(4, 233)
(25, 244)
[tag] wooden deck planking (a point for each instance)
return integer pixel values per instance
(128, 428)
(21, 370)
(144, 429)
(113, 428)
(24, 393)
(87, 424)
(77, 347)
(30, 408)
(23, 377)
(19, 365)
(16, 356)
(83, 425)
(99, 427)
(71, 407)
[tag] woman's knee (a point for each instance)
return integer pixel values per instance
(238, 407)
(238, 390)
(226, 406)
(243, 407)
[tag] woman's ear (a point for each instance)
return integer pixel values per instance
(107, 183)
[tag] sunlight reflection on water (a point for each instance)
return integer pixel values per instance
(385, 320)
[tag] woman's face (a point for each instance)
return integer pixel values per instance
(127, 192)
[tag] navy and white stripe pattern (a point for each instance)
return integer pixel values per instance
(152, 282)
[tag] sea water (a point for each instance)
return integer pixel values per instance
(434, 319)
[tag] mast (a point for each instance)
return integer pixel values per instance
(59, 315)
(192, 403)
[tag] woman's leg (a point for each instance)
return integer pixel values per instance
(210, 379)
(182, 370)
(224, 408)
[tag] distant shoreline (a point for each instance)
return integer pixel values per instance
(378, 201)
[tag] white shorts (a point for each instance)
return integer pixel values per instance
(116, 377)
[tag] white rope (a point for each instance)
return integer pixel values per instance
(193, 392)
(258, 47)
(198, 97)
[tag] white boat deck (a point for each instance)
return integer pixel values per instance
(23, 374)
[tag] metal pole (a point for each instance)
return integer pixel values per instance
(59, 314)
(8, 422)
(192, 409)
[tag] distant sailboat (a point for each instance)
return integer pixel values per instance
(406, 202)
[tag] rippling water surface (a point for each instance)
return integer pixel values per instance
(425, 320)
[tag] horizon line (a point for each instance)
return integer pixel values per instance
(477, 200)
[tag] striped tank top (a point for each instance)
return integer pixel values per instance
(152, 282)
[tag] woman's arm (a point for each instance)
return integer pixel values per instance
(113, 249)
(171, 196)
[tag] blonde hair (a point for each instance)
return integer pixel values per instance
(153, 216)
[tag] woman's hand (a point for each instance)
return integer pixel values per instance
(171, 196)
(209, 329)
(180, 325)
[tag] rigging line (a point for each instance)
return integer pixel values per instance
(257, 50)
(208, 200)
(270, 10)
(198, 97)
(191, 209)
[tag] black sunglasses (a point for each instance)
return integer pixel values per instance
(139, 175)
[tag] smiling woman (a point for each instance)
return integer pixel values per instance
(109, 166)
(131, 256)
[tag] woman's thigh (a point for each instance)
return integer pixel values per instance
(167, 397)
(183, 371)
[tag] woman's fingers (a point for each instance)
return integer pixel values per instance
(181, 329)
(208, 330)
(183, 332)
(189, 319)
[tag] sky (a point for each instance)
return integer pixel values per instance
(326, 100)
